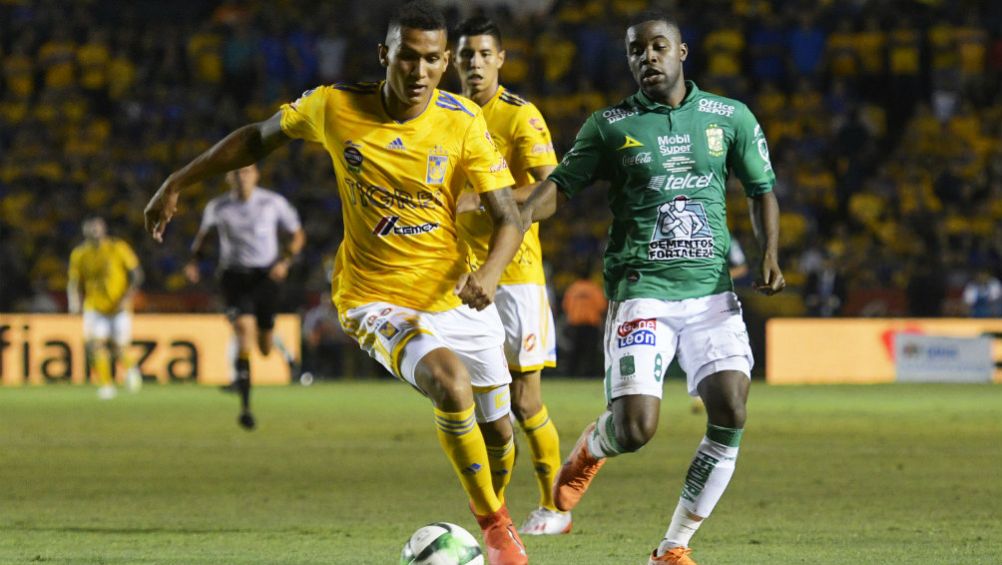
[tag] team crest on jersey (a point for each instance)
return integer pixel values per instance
(353, 156)
(681, 232)
(437, 167)
(715, 140)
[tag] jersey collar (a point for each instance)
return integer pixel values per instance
(641, 99)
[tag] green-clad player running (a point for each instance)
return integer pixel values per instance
(667, 151)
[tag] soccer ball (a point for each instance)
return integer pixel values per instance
(441, 543)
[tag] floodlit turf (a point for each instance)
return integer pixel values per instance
(343, 473)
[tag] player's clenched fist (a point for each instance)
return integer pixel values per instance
(473, 292)
(160, 210)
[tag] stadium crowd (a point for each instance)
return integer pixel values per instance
(884, 120)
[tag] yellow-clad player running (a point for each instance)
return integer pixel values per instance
(522, 137)
(402, 152)
(106, 271)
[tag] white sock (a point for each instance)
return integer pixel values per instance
(709, 473)
(602, 442)
(679, 531)
(280, 346)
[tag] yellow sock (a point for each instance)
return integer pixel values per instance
(102, 366)
(544, 443)
(126, 360)
(463, 444)
(502, 460)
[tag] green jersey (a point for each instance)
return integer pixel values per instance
(668, 171)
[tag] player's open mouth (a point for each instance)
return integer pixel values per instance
(474, 77)
(415, 89)
(650, 75)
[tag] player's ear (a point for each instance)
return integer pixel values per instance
(683, 50)
(447, 57)
(384, 53)
(501, 55)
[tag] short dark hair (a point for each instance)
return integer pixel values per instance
(417, 14)
(655, 16)
(478, 25)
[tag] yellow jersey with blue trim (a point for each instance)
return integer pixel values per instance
(102, 273)
(398, 183)
(521, 135)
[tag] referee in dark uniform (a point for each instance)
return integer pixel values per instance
(253, 262)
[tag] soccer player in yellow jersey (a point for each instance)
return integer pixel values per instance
(402, 152)
(522, 137)
(106, 271)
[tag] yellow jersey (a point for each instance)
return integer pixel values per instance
(102, 272)
(521, 135)
(398, 183)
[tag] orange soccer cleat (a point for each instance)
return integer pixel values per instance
(675, 556)
(576, 473)
(504, 547)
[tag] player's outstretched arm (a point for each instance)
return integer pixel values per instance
(541, 204)
(764, 210)
(243, 147)
(477, 289)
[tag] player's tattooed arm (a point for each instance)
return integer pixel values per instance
(244, 146)
(477, 289)
(541, 204)
(764, 210)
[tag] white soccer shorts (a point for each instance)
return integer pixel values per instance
(643, 335)
(530, 343)
(101, 327)
(399, 337)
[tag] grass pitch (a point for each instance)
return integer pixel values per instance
(343, 473)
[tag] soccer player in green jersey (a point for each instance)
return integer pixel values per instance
(667, 151)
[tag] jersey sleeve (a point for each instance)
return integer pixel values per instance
(581, 165)
(209, 219)
(485, 168)
(304, 118)
(749, 154)
(126, 255)
(533, 145)
(288, 218)
(74, 271)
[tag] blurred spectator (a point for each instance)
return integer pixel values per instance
(983, 295)
(824, 292)
(584, 307)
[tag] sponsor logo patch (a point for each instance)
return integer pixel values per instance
(630, 142)
(388, 226)
(613, 115)
(643, 158)
(715, 107)
(628, 327)
(674, 144)
(396, 145)
(537, 124)
(353, 156)
(529, 343)
(640, 337)
(681, 232)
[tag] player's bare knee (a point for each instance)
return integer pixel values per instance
(725, 396)
(498, 432)
(447, 383)
(524, 406)
(636, 433)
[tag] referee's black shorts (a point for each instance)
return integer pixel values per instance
(251, 291)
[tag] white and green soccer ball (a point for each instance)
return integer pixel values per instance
(441, 543)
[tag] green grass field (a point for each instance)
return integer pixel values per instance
(343, 473)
